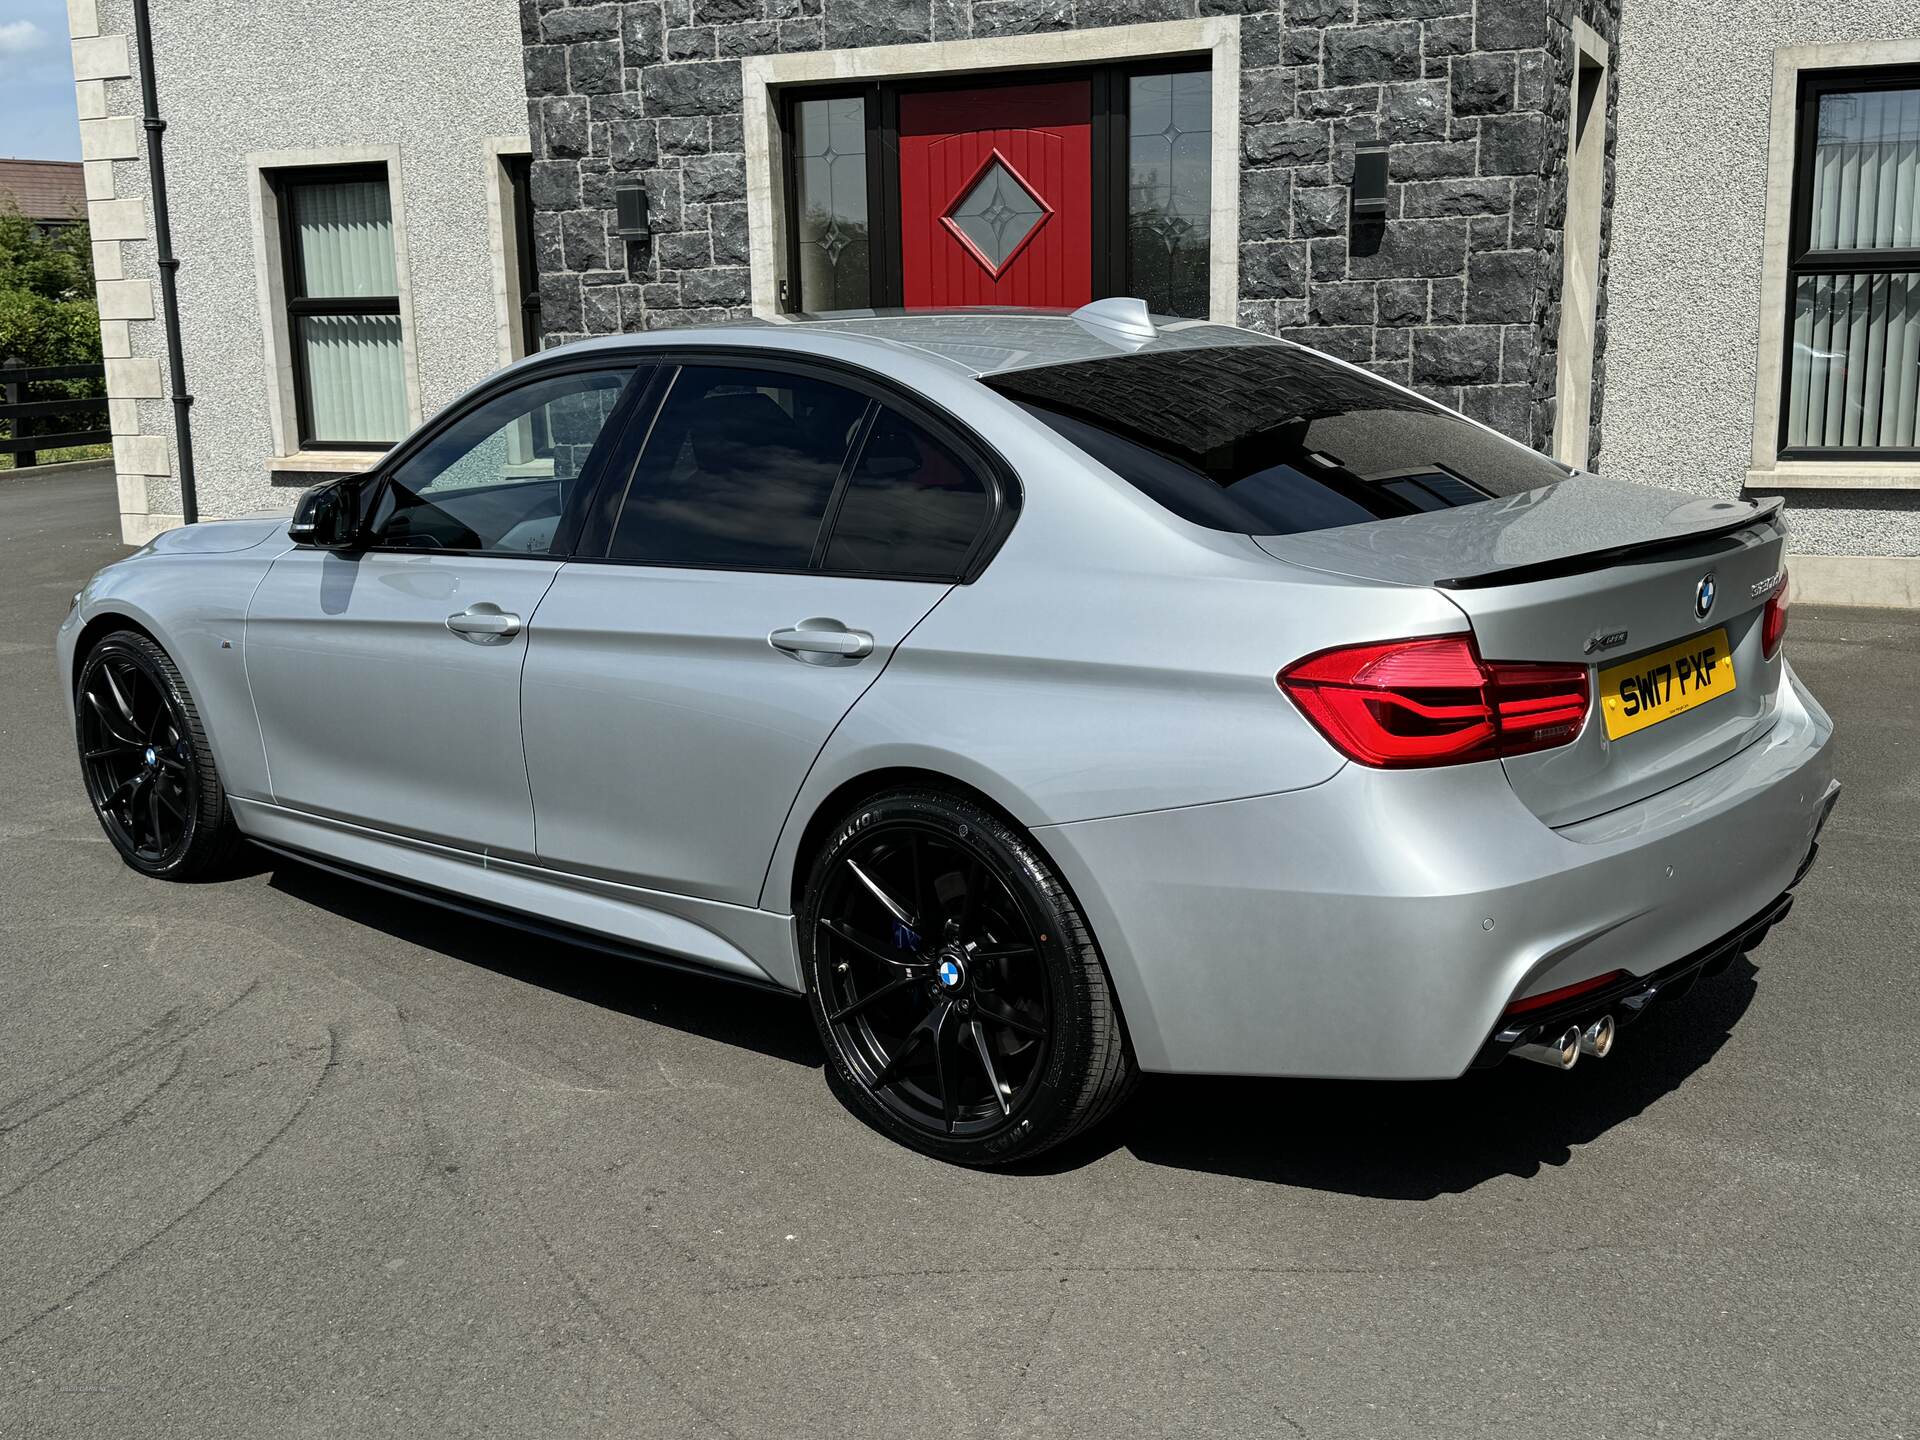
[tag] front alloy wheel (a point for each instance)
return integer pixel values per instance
(962, 1001)
(148, 769)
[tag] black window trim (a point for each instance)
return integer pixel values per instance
(517, 167)
(639, 381)
(292, 272)
(1803, 260)
(996, 476)
(1111, 102)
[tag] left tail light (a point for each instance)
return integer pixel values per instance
(1773, 624)
(1434, 701)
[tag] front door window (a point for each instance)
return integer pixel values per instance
(499, 477)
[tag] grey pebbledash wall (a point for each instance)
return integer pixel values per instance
(1457, 294)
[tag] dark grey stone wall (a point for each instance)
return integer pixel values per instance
(1456, 294)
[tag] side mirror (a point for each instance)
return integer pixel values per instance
(327, 517)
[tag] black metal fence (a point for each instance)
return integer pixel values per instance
(39, 410)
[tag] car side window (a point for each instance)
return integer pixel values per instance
(913, 506)
(499, 478)
(738, 470)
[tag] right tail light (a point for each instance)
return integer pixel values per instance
(1773, 624)
(1434, 701)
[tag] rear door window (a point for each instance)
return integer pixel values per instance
(738, 470)
(1268, 439)
(913, 506)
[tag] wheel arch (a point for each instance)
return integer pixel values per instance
(825, 813)
(834, 805)
(106, 623)
(204, 648)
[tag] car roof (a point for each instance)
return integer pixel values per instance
(968, 342)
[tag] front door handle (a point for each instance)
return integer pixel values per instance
(484, 624)
(821, 641)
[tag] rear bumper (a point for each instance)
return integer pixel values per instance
(1377, 925)
(1628, 997)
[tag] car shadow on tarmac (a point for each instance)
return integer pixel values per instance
(767, 1021)
(1390, 1141)
(1416, 1141)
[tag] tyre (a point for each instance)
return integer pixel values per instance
(956, 984)
(148, 769)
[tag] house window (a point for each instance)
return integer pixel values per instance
(343, 306)
(1853, 339)
(1048, 187)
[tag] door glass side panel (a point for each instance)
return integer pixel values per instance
(499, 478)
(912, 507)
(738, 470)
(830, 177)
(1169, 190)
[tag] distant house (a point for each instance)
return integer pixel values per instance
(51, 193)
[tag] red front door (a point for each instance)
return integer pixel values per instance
(996, 195)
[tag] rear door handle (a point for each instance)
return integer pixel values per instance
(484, 624)
(822, 641)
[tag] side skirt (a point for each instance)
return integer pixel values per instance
(754, 947)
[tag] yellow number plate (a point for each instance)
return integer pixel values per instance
(1669, 682)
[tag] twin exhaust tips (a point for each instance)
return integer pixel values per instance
(1565, 1050)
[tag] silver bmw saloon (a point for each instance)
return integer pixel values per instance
(1048, 698)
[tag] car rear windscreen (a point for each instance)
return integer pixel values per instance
(1266, 439)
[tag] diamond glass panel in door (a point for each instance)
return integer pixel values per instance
(345, 303)
(996, 215)
(1854, 369)
(1169, 190)
(830, 174)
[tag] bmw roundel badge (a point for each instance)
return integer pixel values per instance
(1703, 594)
(949, 973)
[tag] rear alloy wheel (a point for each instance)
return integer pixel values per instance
(149, 771)
(955, 983)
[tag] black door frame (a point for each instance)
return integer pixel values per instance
(886, 284)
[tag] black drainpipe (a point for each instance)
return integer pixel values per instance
(163, 245)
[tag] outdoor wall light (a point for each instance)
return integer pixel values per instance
(630, 212)
(1369, 189)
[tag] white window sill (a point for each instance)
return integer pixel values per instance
(1836, 475)
(325, 462)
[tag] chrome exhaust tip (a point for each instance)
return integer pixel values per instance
(1597, 1039)
(1562, 1053)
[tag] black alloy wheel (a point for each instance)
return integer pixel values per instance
(962, 1001)
(148, 770)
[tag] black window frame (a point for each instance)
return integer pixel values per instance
(641, 377)
(518, 169)
(298, 306)
(1111, 101)
(1803, 261)
(996, 477)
